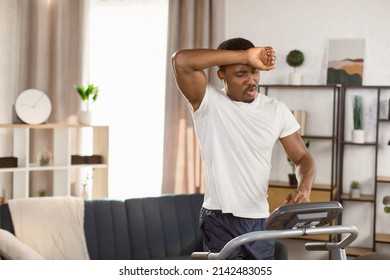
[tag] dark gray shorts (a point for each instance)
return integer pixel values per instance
(219, 228)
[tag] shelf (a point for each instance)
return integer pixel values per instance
(63, 178)
(278, 184)
(48, 126)
(357, 251)
(382, 238)
(383, 179)
(362, 198)
(12, 169)
(278, 191)
(317, 137)
(359, 144)
(100, 165)
(299, 86)
(367, 87)
(36, 167)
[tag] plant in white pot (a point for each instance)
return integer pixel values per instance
(295, 59)
(358, 132)
(87, 95)
(386, 203)
(355, 189)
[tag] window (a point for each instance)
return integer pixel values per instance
(127, 60)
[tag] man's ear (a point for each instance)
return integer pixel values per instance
(221, 75)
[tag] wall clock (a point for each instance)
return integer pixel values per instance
(33, 106)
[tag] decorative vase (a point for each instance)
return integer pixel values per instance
(358, 136)
(85, 193)
(85, 117)
(355, 193)
(44, 157)
(295, 79)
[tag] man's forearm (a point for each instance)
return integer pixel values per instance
(306, 173)
(200, 59)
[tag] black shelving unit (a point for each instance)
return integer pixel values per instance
(372, 199)
(336, 190)
(331, 189)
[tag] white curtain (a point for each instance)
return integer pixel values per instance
(192, 24)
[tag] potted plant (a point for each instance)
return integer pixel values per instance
(386, 203)
(88, 95)
(355, 189)
(357, 132)
(44, 157)
(86, 191)
(295, 59)
(292, 179)
(42, 193)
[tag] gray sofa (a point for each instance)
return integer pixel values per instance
(164, 227)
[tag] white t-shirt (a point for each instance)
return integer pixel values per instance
(236, 141)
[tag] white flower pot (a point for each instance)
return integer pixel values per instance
(295, 79)
(85, 117)
(355, 193)
(358, 136)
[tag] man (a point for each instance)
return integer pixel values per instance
(237, 129)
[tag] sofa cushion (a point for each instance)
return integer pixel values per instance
(106, 230)
(154, 226)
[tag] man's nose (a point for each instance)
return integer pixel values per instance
(251, 77)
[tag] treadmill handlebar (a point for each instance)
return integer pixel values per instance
(352, 232)
(281, 234)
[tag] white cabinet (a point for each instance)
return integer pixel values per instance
(63, 141)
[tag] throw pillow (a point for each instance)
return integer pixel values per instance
(11, 248)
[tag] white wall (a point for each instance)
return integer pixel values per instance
(307, 25)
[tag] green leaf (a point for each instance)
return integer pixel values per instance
(295, 58)
(357, 113)
(91, 92)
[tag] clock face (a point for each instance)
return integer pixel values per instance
(33, 106)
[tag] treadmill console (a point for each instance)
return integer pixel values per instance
(303, 215)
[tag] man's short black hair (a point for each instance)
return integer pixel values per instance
(234, 44)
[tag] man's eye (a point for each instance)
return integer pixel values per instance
(254, 71)
(240, 74)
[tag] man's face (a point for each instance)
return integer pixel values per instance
(241, 82)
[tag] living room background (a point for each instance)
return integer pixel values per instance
(283, 24)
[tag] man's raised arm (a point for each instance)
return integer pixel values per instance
(189, 66)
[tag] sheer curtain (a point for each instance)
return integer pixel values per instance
(127, 58)
(192, 24)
